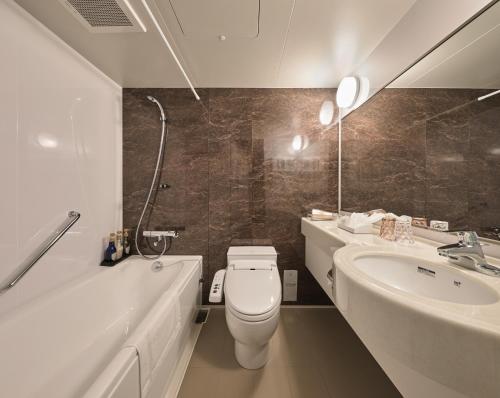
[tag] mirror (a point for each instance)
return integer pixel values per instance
(428, 145)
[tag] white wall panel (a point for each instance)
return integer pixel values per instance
(60, 150)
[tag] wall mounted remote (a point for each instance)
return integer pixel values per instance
(217, 287)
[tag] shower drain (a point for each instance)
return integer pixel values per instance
(202, 315)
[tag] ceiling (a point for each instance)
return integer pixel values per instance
(268, 43)
(299, 43)
(469, 59)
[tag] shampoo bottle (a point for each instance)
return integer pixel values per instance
(119, 245)
(126, 242)
(110, 254)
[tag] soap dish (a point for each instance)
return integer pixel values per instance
(364, 229)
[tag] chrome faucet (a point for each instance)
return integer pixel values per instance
(468, 253)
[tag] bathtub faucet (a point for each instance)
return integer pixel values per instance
(159, 235)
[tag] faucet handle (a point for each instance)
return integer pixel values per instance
(468, 238)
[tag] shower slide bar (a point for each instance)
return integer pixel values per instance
(165, 40)
(39, 252)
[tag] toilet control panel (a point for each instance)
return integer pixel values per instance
(217, 287)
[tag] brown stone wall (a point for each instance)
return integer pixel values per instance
(232, 170)
(425, 152)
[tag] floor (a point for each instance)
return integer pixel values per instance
(314, 354)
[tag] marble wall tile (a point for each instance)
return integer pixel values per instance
(425, 152)
(233, 173)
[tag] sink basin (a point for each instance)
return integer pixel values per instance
(422, 278)
(434, 328)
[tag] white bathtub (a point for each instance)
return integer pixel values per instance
(72, 342)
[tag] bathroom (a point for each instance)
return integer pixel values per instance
(259, 198)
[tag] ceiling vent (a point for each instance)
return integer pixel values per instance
(105, 16)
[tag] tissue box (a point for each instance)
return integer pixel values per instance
(364, 229)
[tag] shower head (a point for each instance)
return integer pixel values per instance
(153, 99)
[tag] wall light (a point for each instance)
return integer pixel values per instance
(299, 143)
(47, 141)
(347, 92)
(326, 113)
(363, 92)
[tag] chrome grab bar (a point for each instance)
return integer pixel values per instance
(39, 252)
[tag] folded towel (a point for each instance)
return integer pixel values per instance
(153, 335)
(356, 220)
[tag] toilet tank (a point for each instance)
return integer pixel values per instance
(251, 253)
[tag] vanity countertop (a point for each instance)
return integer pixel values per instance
(330, 230)
(324, 239)
(424, 239)
(421, 316)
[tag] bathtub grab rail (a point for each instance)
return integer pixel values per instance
(39, 252)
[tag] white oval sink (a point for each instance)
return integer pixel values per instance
(422, 278)
(430, 325)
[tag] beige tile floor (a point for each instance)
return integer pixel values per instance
(314, 354)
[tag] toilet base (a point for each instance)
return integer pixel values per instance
(250, 356)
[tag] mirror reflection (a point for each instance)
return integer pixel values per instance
(428, 145)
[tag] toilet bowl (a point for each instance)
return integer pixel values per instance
(252, 290)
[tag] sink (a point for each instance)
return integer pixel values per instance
(423, 278)
(433, 327)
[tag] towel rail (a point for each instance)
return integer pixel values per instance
(39, 252)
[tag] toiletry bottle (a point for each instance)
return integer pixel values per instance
(110, 254)
(126, 242)
(119, 245)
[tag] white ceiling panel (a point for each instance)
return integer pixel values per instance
(328, 39)
(469, 59)
(237, 61)
(268, 43)
(211, 19)
(130, 59)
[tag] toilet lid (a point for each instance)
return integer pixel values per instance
(252, 290)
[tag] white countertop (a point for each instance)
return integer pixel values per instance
(422, 248)
(420, 341)
(330, 229)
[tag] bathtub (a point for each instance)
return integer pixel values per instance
(72, 342)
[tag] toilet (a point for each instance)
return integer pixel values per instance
(252, 290)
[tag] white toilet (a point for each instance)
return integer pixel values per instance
(252, 290)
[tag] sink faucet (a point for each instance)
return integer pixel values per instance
(468, 253)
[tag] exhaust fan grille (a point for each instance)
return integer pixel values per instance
(105, 15)
(101, 12)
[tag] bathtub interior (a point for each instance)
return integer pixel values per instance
(64, 340)
(119, 376)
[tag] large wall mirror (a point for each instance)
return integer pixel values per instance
(428, 145)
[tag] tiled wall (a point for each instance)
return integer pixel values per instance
(425, 152)
(233, 171)
(60, 140)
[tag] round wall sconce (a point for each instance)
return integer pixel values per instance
(364, 91)
(347, 92)
(326, 112)
(299, 143)
(47, 141)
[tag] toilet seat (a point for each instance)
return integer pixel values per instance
(252, 318)
(252, 290)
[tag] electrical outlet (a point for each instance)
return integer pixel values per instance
(290, 280)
